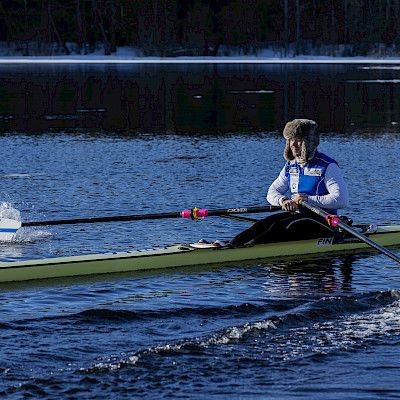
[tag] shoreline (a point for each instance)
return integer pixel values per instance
(193, 60)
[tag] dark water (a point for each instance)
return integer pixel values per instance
(196, 99)
(325, 327)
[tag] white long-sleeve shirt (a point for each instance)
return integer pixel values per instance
(337, 196)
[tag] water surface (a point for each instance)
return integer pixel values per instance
(321, 327)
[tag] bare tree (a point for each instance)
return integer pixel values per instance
(286, 25)
(298, 19)
(98, 12)
(80, 23)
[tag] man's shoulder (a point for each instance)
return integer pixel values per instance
(322, 157)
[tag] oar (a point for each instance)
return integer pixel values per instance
(195, 213)
(8, 228)
(334, 221)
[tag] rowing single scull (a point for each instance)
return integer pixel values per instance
(188, 255)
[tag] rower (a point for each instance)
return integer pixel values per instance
(307, 175)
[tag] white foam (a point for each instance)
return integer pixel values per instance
(235, 333)
(31, 235)
(113, 365)
(9, 212)
(223, 337)
(346, 333)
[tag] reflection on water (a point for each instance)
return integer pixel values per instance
(315, 275)
(198, 99)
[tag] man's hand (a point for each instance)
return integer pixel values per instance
(298, 197)
(289, 205)
(292, 205)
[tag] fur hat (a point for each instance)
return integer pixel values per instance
(305, 129)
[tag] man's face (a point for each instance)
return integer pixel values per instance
(295, 146)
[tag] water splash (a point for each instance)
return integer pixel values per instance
(23, 235)
(8, 211)
(31, 235)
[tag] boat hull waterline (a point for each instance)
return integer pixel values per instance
(181, 255)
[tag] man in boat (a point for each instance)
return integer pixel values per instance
(307, 174)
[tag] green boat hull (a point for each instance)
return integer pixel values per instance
(181, 255)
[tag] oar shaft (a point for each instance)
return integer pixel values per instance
(102, 219)
(194, 214)
(336, 222)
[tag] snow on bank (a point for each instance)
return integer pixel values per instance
(195, 60)
(129, 55)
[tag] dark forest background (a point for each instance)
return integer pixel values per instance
(201, 27)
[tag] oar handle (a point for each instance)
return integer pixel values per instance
(197, 213)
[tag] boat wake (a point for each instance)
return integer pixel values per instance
(160, 349)
(306, 332)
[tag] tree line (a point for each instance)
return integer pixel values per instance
(198, 27)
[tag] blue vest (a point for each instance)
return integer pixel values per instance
(309, 179)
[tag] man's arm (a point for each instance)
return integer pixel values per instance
(338, 196)
(278, 189)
